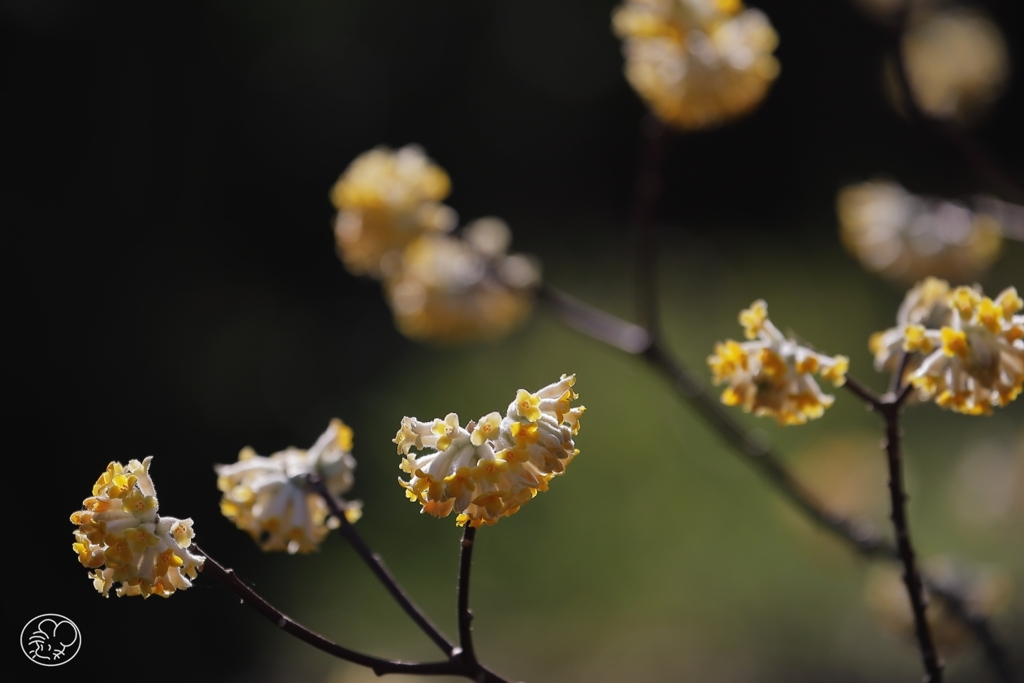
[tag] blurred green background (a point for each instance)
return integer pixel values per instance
(175, 292)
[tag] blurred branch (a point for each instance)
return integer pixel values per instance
(648, 190)
(1009, 216)
(979, 627)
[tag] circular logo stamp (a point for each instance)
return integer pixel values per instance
(50, 640)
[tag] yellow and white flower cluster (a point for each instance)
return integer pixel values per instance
(391, 225)
(121, 536)
(969, 349)
(489, 468)
(268, 496)
(773, 375)
(905, 237)
(697, 63)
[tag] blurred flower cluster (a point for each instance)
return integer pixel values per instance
(966, 350)
(697, 63)
(121, 536)
(956, 62)
(489, 468)
(442, 287)
(905, 237)
(953, 55)
(987, 488)
(772, 375)
(269, 498)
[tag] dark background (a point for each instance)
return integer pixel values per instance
(175, 291)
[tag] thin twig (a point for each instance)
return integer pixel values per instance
(465, 614)
(862, 392)
(380, 570)
(890, 410)
(379, 666)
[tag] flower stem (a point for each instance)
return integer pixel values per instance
(288, 625)
(461, 659)
(380, 570)
(890, 411)
(464, 613)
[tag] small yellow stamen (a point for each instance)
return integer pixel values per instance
(954, 342)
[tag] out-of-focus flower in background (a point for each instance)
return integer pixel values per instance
(268, 497)
(489, 468)
(850, 473)
(449, 289)
(956, 62)
(971, 347)
(772, 375)
(987, 485)
(442, 288)
(385, 200)
(904, 237)
(985, 591)
(697, 63)
(121, 536)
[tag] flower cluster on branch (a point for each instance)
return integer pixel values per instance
(491, 467)
(123, 539)
(772, 375)
(268, 496)
(967, 349)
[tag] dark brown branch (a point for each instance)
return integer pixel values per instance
(379, 666)
(380, 570)
(890, 411)
(465, 615)
(862, 392)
